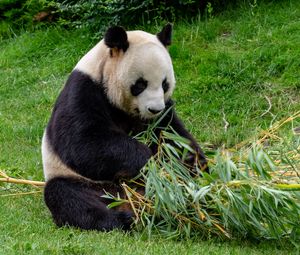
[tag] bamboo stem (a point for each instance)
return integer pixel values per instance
(3, 174)
(21, 193)
(269, 132)
(292, 186)
(130, 202)
(22, 181)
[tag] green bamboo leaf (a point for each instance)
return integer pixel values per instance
(115, 204)
(237, 198)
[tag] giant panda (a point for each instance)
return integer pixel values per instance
(116, 89)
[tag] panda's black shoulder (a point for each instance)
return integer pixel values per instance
(81, 105)
(81, 92)
(80, 97)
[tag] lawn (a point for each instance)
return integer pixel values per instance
(241, 67)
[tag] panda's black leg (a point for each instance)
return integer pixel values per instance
(80, 204)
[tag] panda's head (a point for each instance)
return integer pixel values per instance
(135, 68)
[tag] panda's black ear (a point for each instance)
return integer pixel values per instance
(165, 35)
(116, 38)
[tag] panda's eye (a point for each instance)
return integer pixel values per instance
(139, 86)
(165, 85)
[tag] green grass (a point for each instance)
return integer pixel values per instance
(225, 67)
(27, 229)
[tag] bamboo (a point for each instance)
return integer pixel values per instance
(131, 204)
(269, 132)
(288, 186)
(21, 193)
(22, 181)
(3, 174)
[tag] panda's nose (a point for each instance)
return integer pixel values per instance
(155, 111)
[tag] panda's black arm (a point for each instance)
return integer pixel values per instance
(173, 120)
(179, 127)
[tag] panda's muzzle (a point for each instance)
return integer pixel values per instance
(155, 111)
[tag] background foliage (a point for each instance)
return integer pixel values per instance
(227, 67)
(95, 14)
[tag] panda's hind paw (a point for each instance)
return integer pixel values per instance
(126, 219)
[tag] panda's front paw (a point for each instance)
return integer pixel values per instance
(134, 163)
(147, 152)
(140, 159)
(196, 159)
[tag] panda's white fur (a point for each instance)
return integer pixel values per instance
(146, 57)
(52, 164)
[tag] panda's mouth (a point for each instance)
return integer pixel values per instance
(138, 113)
(144, 116)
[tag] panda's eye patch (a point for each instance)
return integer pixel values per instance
(165, 85)
(139, 86)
